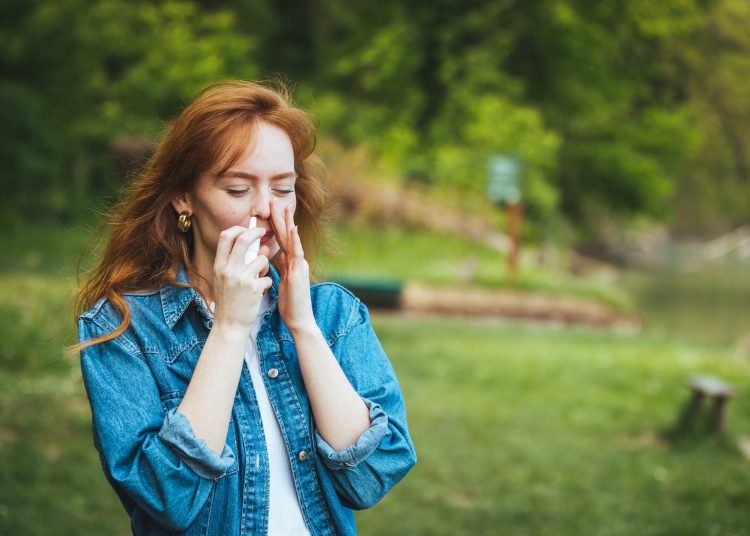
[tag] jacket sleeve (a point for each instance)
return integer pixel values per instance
(150, 454)
(364, 472)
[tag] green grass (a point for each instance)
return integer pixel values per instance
(49, 250)
(519, 430)
(418, 255)
(51, 479)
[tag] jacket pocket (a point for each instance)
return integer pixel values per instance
(180, 347)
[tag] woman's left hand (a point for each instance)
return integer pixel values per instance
(295, 305)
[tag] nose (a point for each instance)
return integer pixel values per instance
(261, 204)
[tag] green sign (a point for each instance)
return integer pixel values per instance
(504, 184)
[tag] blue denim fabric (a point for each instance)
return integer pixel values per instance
(170, 482)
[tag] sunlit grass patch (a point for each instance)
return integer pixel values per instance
(36, 322)
(523, 430)
(441, 259)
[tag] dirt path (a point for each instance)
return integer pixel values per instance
(418, 298)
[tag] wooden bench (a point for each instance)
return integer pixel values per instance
(703, 387)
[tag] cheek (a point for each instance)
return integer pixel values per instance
(223, 217)
(217, 213)
(229, 218)
(211, 222)
(290, 202)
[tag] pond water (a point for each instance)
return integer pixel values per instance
(710, 305)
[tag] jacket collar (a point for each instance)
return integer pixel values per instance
(175, 300)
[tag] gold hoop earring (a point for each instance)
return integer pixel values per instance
(183, 222)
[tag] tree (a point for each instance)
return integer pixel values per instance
(77, 75)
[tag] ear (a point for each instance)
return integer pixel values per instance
(183, 203)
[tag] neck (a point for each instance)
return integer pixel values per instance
(201, 276)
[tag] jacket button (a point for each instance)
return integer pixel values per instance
(273, 373)
(302, 455)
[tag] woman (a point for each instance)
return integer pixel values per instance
(228, 395)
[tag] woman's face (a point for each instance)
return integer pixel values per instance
(264, 175)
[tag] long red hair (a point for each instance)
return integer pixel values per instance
(145, 249)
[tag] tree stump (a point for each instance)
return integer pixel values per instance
(702, 388)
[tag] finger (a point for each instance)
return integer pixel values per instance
(282, 264)
(264, 283)
(243, 241)
(297, 243)
(279, 227)
(288, 217)
(227, 239)
(289, 220)
(288, 227)
(256, 266)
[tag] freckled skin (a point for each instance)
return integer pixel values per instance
(214, 209)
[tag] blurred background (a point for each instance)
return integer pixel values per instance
(547, 205)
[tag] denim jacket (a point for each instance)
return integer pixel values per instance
(170, 482)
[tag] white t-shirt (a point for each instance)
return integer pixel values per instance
(284, 512)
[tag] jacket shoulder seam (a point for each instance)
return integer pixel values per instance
(351, 322)
(105, 325)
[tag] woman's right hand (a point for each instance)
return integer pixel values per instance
(237, 292)
(238, 289)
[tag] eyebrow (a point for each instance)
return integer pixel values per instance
(243, 175)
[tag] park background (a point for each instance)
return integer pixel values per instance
(631, 120)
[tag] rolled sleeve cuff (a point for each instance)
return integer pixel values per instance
(365, 445)
(178, 434)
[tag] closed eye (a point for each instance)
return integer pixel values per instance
(237, 193)
(240, 193)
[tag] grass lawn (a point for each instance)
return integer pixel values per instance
(518, 429)
(523, 430)
(416, 255)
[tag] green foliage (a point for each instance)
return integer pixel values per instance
(587, 96)
(370, 101)
(79, 75)
(638, 164)
(603, 79)
(29, 159)
(494, 125)
(156, 58)
(715, 67)
(615, 107)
